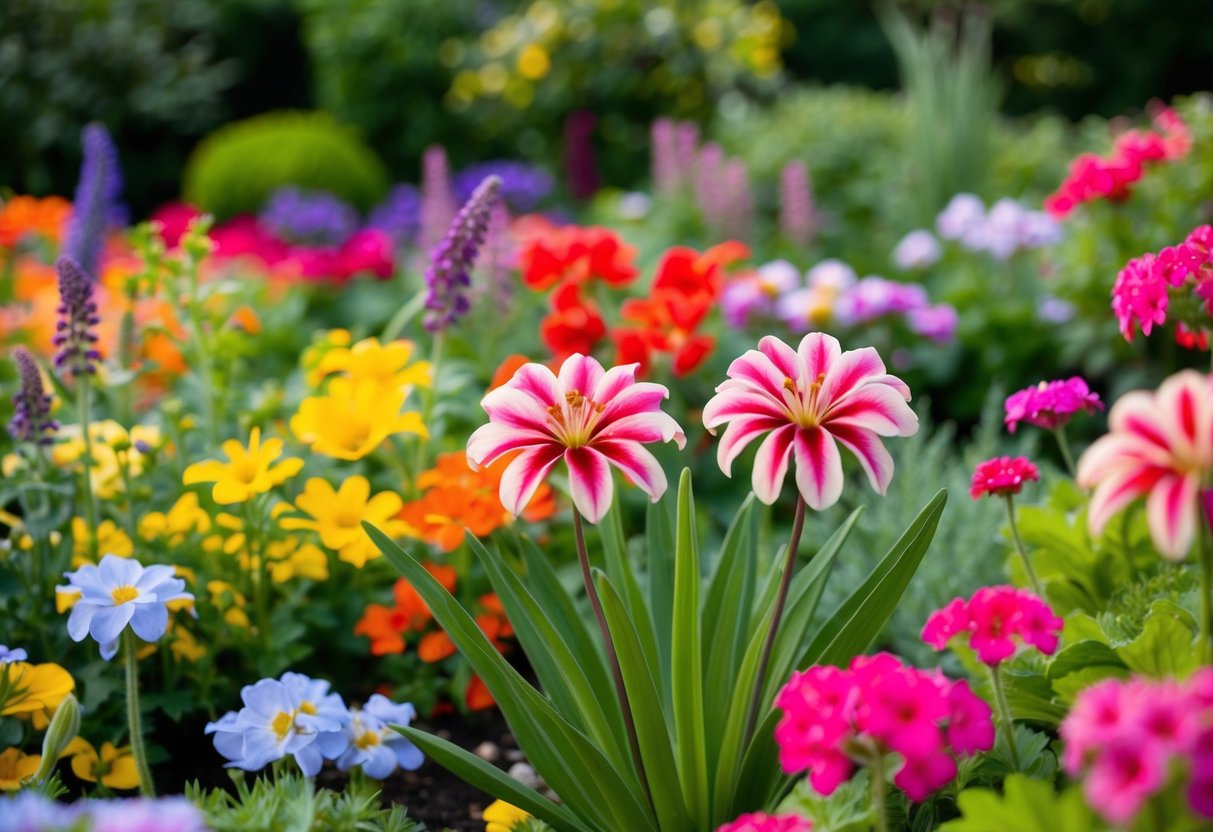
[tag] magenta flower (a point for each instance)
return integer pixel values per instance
(1159, 446)
(1002, 476)
(1050, 404)
(760, 822)
(590, 417)
(809, 401)
(997, 620)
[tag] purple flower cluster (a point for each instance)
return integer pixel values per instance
(1002, 231)
(29, 811)
(523, 186)
(399, 215)
(75, 335)
(309, 217)
(797, 215)
(437, 197)
(917, 250)
(97, 205)
(447, 277)
(31, 420)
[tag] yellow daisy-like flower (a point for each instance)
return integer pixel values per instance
(230, 601)
(354, 418)
(384, 364)
(113, 448)
(337, 516)
(33, 688)
(15, 766)
(502, 817)
(314, 353)
(111, 540)
(183, 644)
(114, 767)
(249, 471)
(290, 559)
(186, 517)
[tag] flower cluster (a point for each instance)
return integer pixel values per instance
(23, 217)
(1092, 177)
(1002, 476)
(761, 822)
(447, 278)
(997, 620)
(399, 215)
(523, 186)
(1005, 229)
(1050, 404)
(337, 515)
(31, 420)
(30, 811)
(249, 471)
(96, 207)
(837, 718)
(1148, 285)
(300, 717)
(1131, 738)
(76, 329)
(314, 218)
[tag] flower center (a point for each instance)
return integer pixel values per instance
(366, 740)
(282, 724)
(123, 594)
(804, 408)
(575, 420)
(307, 708)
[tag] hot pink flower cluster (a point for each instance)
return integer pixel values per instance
(997, 620)
(1146, 285)
(1002, 476)
(1093, 177)
(759, 822)
(1050, 404)
(1128, 736)
(834, 719)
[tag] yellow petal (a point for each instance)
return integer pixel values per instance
(208, 470)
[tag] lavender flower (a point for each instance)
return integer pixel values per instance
(399, 216)
(31, 420)
(309, 217)
(437, 199)
(500, 255)
(75, 335)
(667, 175)
(688, 151)
(797, 219)
(739, 200)
(964, 212)
(451, 260)
(15, 654)
(917, 250)
(708, 189)
(96, 206)
(937, 323)
(523, 186)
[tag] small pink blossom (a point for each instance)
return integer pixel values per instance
(1002, 476)
(1124, 775)
(998, 620)
(759, 822)
(1139, 297)
(1050, 404)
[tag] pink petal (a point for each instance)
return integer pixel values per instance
(818, 351)
(870, 452)
(1115, 451)
(1136, 413)
(491, 440)
(782, 356)
(1116, 491)
(852, 369)
(756, 370)
(739, 434)
(522, 476)
(643, 427)
(641, 397)
(538, 382)
(771, 463)
(589, 482)
(818, 468)
(580, 373)
(640, 466)
(513, 408)
(874, 407)
(1172, 513)
(740, 401)
(614, 382)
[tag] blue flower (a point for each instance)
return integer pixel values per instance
(372, 742)
(523, 186)
(118, 592)
(309, 217)
(32, 812)
(14, 655)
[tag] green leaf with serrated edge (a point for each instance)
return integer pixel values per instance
(1081, 655)
(588, 783)
(1164, 647)
(652, 729)
(487, 777)
(1026, 805)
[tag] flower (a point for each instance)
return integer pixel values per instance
(337, 516)
(166, 814)
(762, 822)
(1139, 296)
(386, 626)
(113, 767)
(110, 537)
(184, 518)
(118, 592)
(1050, 404)
(248, 472)
(576, 255)
(523, 186)
(997, 621)
(1002, 476)
(16, 766)
(23, 215)
(574, 325)
(810, 400)
(309, 217)
(502, 817)
(389, 365)
(33, 688)
(753, 295)
(1159, 446)
(31, 420)
(16, 654)
(437, 200)
(374, 744)
(917, 250)
(76, 330)
(963, 213)
(589, 417)
(96, 207)
(937, 322)
(116, 452)
(399, 215)
(354, 418)
(447, 276)
(797, 214)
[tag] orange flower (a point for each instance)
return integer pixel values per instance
(477, 696)
(385, 626)
(23, 215)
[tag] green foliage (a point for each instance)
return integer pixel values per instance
(848, 809)
(1026, 805)
(236, 168)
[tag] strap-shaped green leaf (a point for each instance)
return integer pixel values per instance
(659, 535)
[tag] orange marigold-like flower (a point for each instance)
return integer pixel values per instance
(24, 215)
(386, 626)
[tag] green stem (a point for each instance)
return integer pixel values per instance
(876, 770)
(428, 397)
(1205, 545)
(133, 717)
(1023, 553)
(781, 600)
(1063, 443)
(1004, 714)
(90, 504)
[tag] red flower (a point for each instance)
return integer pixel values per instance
(576, 255)
(573, 326)
(1002, 476)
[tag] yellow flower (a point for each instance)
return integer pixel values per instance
(114, 767)
(354, 418)
(111, 540)
(183, 644)
(183, 519)
(533, 62)
(248, 472)
(502, 817)
(15, 766)
(384, 364)
(315, 352)
(230, 601)
(113, 447)
(33, 689)
(337, 516)
(289, 559)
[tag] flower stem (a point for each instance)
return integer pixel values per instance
(133, 717)
(1063, 443)
(428, 397)
(90, 505)
(1023, 553)
(1205, 553)
(1004, 714)
(876, 770)
(781, 600)
(625, 705)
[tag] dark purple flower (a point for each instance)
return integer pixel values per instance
(31, 420)
(399, 216)
(580, 160)
(96, 206)
(523, 186)
(312, 218)
(447, 277)
(75, 334)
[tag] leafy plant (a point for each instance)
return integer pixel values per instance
(689, 652)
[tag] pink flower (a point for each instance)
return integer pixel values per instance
(174, 219)
(1098, 715)
(1002, 476)
(945, 623)
(1050, 404)
(590, 417)
(810, 400)
(759, 822)
(368, 250)
(1159, 446)
(1124, 775)
(971, 726)
(921, 774)
(1139, 297)
(997, 621)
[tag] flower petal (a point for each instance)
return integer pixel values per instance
(851, 370)
(1172, 513)
(641, 397)
(614, 381)
(874, 407)
(739, 434)
(537, 382)
(108, 622)
(580, 373)
(755, 370)
(818, 468)
(491, 440)
(150, 621)
(1116, 491)
(589, 482)
(783, 357)
(741, 401)
(524, 474)
(818, 352)
(513, 408)
(771, 463)
(643, 427)
(640, 466)
(870, 451)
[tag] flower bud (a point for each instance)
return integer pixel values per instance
(64, 727)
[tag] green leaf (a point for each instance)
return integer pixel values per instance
(620, 569)
(1026, 806)
(659, 530)
(1081, 655)
(1164, 647)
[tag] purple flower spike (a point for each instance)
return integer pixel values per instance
(31, 420)
(96, 206)
(452, 259)
(75, 334)
(797, 217)
(437, 197)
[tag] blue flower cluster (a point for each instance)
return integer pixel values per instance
(29, 811)
(523, 186)
(309, 217)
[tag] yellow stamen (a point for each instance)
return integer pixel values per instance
(123, 594)
(370, 739)
(307, 708)
(282, 724)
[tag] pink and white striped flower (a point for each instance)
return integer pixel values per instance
(810, 401)
(590, 417)
(1159, 446)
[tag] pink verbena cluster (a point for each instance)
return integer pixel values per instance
(1050, 404)
(1148, 284)
(997, 620)
(760, 822)
(1002, 476)
(1093, 177)
(835, 719)
(1129, 737)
